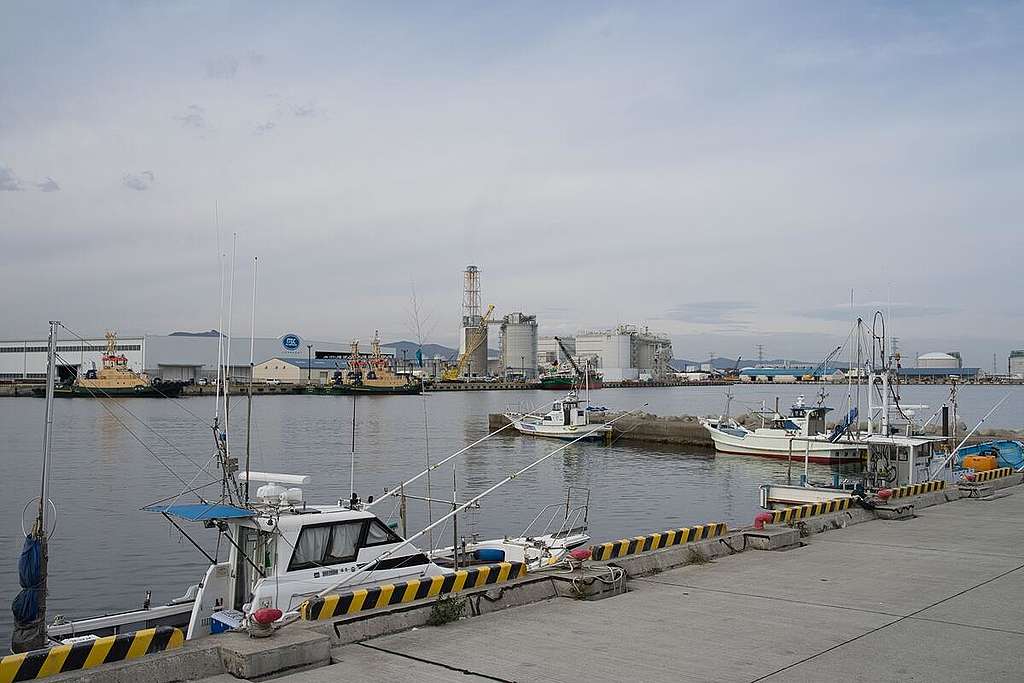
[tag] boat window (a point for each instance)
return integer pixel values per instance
(557, 406)
(378, 534)
(325, 544)
(580, 413)
(344, 542)
(547, 418)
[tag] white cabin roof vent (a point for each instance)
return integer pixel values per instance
(272, 493)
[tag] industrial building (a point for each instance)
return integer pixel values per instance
(938, 359)
(1015, 364)
(298, 370)
(626, 353)
(518, 345)
(180, 356)
(549, 353)
(790, 374)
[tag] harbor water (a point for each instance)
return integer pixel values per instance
(112, 458)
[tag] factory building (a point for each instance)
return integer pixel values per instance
(298, 370)
(938, 359)
(518, 345)
(180, 356)
(626, 353)
(1015, 365)
(549, 354)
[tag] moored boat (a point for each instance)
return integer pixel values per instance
(801, 436)
(567, 419)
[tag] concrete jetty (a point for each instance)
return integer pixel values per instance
(937, 598)
(681, 430)
(927, 587)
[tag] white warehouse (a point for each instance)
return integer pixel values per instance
(180, 356)
(626, 353)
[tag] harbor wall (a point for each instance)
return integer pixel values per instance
(308, 645)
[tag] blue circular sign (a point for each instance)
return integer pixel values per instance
(291, 342)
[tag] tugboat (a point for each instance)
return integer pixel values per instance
(115, 379)
(369, 375)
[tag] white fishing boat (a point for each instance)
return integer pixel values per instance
(567, 419)
(557, 529)
(802, 435)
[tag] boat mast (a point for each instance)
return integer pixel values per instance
(44, 498)
(252, 368)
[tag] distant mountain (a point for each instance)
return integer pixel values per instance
(211, 333)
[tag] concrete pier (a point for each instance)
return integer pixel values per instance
(935, 598)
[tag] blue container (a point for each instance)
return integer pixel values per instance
(489, 555)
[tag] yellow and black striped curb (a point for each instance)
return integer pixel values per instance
(36, 664)
(390, 594)
(664, 539)
(993, 474)
(918, 489)
(787, 515)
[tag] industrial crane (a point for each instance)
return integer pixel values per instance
(454, 372)
(576, 368)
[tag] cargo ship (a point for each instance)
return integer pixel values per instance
(114, 379)
(567, 381)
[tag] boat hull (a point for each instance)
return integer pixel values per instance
(590, 431)
(162, 390)
(566, 384)
(778, 448)
(348, 390)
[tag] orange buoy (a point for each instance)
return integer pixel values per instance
(980, 463)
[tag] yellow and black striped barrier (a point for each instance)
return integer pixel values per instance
(664, 539)
(993, 474)
(390, 594)
(36, 664)
(792, 514)
(917, 489)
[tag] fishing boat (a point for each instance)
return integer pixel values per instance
(567, 419)
(801, 435)
(369, 375)
(115, 379)
(569, 376)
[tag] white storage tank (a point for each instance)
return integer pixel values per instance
(519, 345)
(475, 338)
(938, 360)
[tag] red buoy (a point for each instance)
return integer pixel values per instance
(970, 476)
(884, 494)
(580, 554)
(267, 615)
(762, 518)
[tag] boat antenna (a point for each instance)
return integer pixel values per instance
(352, 462)
(227, 350)
(472, 501)
(252, 369)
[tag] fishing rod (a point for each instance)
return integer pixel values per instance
(464, 506)
(398, 489)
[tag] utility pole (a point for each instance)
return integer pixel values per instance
(760, 354)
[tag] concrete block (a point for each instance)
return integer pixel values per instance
(292, 648)
(772, 538)
(895, 511)
(195, 660)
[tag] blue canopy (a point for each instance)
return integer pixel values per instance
(201, 512)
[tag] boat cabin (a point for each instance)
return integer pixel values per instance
(566, 412)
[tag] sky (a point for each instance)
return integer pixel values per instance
(728, 173)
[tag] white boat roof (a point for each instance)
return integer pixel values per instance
(901, 440)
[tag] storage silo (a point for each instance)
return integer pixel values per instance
(475, 339)
(519, 345)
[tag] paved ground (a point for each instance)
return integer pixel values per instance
(936, 598)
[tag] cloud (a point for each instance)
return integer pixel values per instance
(265, 127)
(9, 182)
(48, 185)
(194, 117)
(304, 110)
(256, 59)
(710, 312)
(138, 181)
(867, 309)
(221, 67)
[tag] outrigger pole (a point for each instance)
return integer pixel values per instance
(383, 556)
(397, 490)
